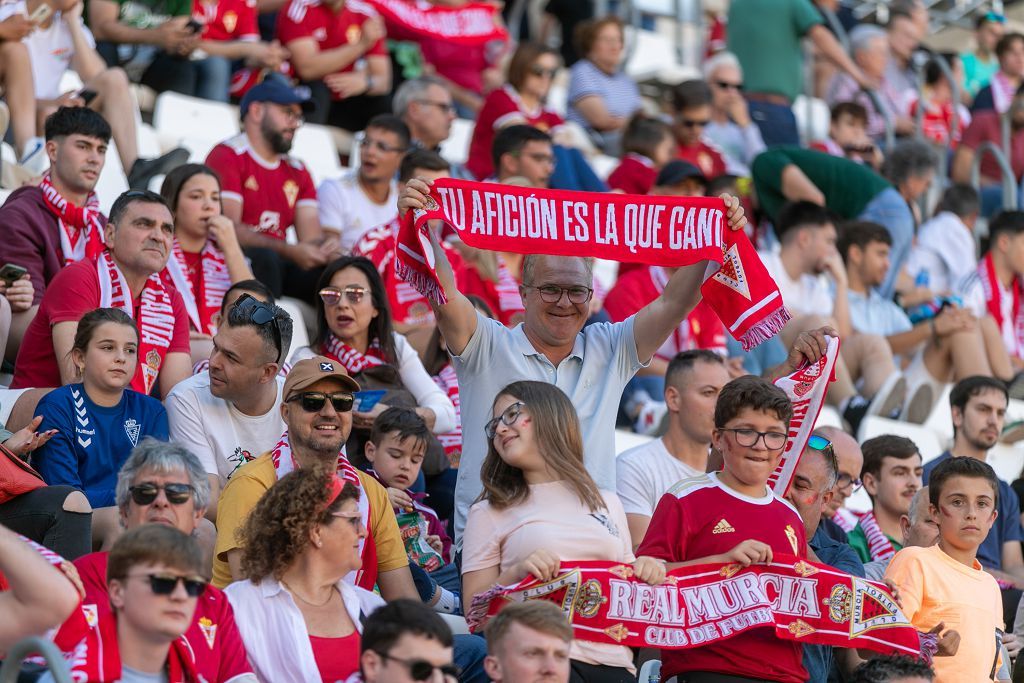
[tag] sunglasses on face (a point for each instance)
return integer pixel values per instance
(542, 72)
(422, 670)
(164, 584)
(331, 296)
(145, 494)
(694, 123)
(508, 418)
(313, 401)
(725, 85)
(261, 313)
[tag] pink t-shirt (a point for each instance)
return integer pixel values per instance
(552, 518)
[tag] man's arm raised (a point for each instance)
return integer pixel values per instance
(655, 321)
(457, 318)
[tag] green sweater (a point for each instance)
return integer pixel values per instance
(859, 542)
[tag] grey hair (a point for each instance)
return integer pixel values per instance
(530, 262)
(718, 60)
(160, 457)
(410, 91)
(915, 502)
(908, 159)
(863, 35)
(237, 317)
(960, 200)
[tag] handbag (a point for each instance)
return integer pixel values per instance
(17, 477)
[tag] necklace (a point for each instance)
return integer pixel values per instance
(311, 604)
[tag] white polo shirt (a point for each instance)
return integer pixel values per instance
(50, 50)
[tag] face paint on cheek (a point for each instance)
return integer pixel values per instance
(946, 512)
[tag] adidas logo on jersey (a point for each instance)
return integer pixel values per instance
(723, 527)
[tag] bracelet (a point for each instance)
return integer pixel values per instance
(369, 84)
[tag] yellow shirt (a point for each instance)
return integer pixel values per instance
(248, 484)
(936, 588)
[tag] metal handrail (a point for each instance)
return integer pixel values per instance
(34, 645)
(890, 128)
(1005, 170)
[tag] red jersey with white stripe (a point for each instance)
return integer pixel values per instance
(501, 108)
(227, 19)
(701, 517)
(702, 329)
(269, 193)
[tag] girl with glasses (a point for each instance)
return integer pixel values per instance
(206, 259)
(98, 420)
(354, 328)
(299, 619)
(540, 511)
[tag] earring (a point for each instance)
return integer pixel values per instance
(319, 544)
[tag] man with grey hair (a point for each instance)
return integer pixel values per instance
(230, 413)
(918, 529)
(425, 105)
(162, 483)
(731, 128)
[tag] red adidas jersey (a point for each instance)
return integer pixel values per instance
(500, 108)
(700, 517)
(269, 194)
(705, 157)
(702, 329)
(213, 636)
(227, 19)
(635, 174)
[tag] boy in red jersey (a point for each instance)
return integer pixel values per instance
(732, 516)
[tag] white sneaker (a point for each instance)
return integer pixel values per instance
(888, 402)
(650, 418)
(919, 405)
(35, 159)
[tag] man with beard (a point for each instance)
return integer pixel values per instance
(265, 192)
(978, 407)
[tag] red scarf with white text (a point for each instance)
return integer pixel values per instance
(665, 231)
(352, 360)
(474, 23)
(879, 545)
(81, 227)
(994, 294)
(284, 462)
(155, 321)
(214, 282)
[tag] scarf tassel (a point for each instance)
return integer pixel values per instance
(765, 329)
(424, 283)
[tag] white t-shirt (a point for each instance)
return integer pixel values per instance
(972, 293)
(50, 50)
(344, 207)
(643, 475)
(807, 295)
(944, 249)
(215, 431)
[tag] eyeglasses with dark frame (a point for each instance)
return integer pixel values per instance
(260, 313)
(422, 670)
(773, 441)
(164, 584)
(176, 493)
(331, 296)
(846, 481)
(578, 294)
(508, 418)
(313, 401)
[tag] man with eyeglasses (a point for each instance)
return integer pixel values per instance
(265, 191)
(426, 107)
(691, 103)
(838, 520)
(164, 484)
(405, 642)
(366, 197)
(231, 413)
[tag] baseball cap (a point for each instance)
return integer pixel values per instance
(309, 371)
(677, 171)
(273, 90)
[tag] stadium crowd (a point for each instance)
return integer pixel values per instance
(188, 493)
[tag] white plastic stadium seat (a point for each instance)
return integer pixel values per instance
(314, 146)
(625, 440)
(940, 420)
(193, 123)
(300, 336)
(650, 672)
(456, 148)
(829, 417)
(1006, 460)
(927, 441)
(603, 165)
(456, 623)
(819, 118)
(112, 180)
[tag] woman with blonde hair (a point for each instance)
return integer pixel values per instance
(540, 509)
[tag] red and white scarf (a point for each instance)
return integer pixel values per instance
(845, 519)
(510, 302)
(204, 305)
(879, 545)
(474, 23)
(352, 360)
(448, 381)
(284, 463)
(1002, 92)
(664, 231)
(81, 227)
(155, 321)
(994, 299)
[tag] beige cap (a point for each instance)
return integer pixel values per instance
(309, 371)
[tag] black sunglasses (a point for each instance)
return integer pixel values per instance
(726, 85)
(422, 670)
(177, 494)
(261, 313)
(164, 584)
(313, 401)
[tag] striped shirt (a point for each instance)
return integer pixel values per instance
(618, 91)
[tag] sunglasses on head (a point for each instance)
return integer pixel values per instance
(164, 584)
(145, 494)
(261, 313)
(313, 401)
(331, 296)
(422, 670)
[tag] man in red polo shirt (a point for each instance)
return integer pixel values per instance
(691, 101)
(163, 483)
(125, 275)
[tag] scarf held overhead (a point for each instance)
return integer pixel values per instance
(700, 605)
(473, 23)
(661, 231)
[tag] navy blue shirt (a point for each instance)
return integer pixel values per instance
(92, 442)
(1007, 527)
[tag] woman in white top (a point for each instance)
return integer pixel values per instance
(540, 509)
(299, 620)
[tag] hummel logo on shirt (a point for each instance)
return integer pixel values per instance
(723, 527)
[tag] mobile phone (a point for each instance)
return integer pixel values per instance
(366, 400)
(194, 26)
(11, 273)
(41, 14)
(87, 95)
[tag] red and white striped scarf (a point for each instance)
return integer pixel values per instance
(510, 302)
(81, 227)
(155, 322)
(994, 295)
(845, 519)
(448, 381)
(284, 463)
(214, 282)
(1002, 92)
(879, 545)
(352, 360)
